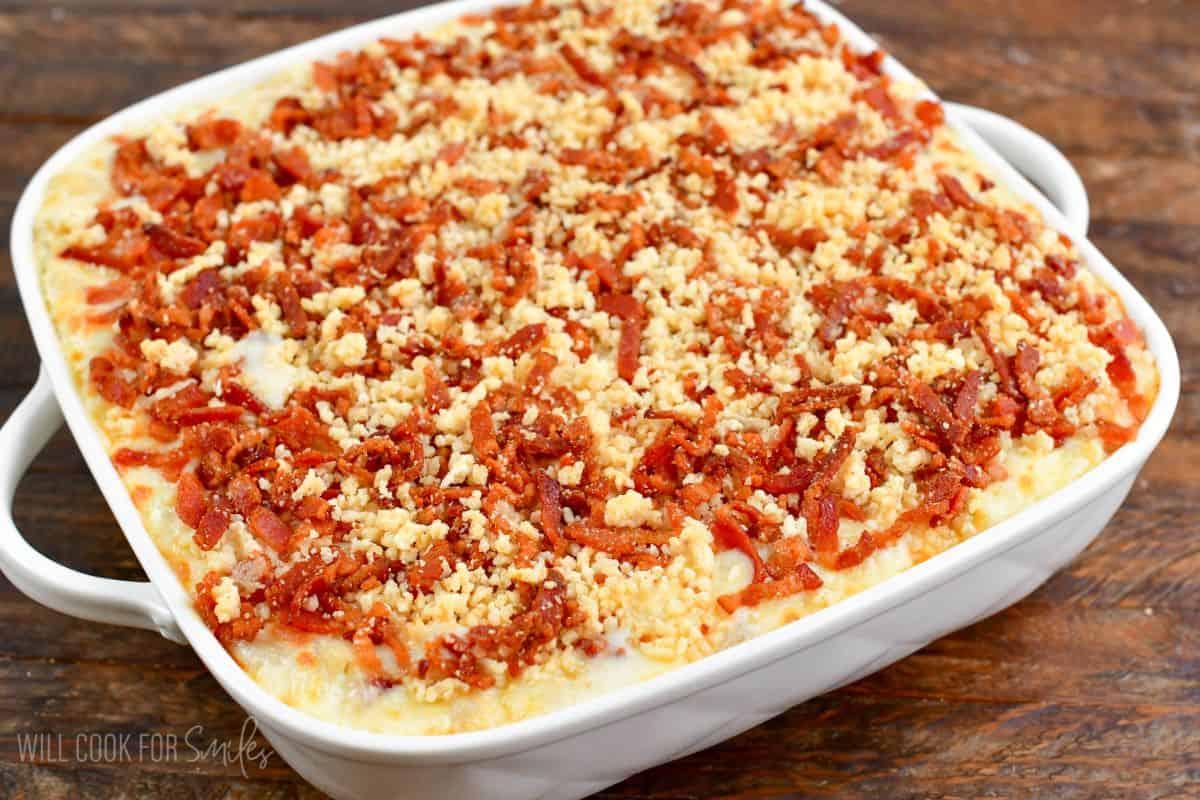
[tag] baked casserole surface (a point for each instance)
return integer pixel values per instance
(468, 375)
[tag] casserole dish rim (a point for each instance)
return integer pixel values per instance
(619, 703)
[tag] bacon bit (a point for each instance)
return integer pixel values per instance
(604, 269)
(298, 429)
(876, 467)
(805, 239)
(942, 491)
(926, 400)
(877, 97)
(133, 170)
(312, 508)
(292, 165)
(820, 509)
(260, 186)
(1115, 436)
(550, 494)
(197, 416)
(200, 289)
(238, 395)
(729, 534)
(629, 349)
(1041, 410)
(452, 153)
(830, 34)
(523, 340)
(245, 495)
(840, 299)
(1013, 226)
(483, 432)
(804, 579)
(364, 652)
(435, 563)
(124, 247)
(211, 528)
(858, 553)
(955, 191)
(725, 197)
(114, 290)
(677, 58)
(829, 165)
(581, 66)
(1115, 338)
(437, 394)
(794, 482)
(818, 398)
(269, 529)
(863, 65)
(620, 543)
(169, 462)
(622, 306)
(930, 113)
(1000, 363)
(1062, 266)
(394, 641)
(581, 340)
(1002, 412)
(244, 628)
(630, 311)
(206, 216)
(246, 231)
(213, 133)
(895, 148)
(744, 384)
(190, 499)
(110, 383)
(847, 509)
(293, 312)
(968, 396)
(788, 555)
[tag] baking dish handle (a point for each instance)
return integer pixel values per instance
(135, 604)
(1034, 157)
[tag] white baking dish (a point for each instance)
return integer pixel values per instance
(578, 750)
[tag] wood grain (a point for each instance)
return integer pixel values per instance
(1088, 689)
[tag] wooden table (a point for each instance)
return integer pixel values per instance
(1090, 688)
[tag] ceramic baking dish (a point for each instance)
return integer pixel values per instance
(578, 750)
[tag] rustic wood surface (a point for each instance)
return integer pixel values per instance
(1090, 688)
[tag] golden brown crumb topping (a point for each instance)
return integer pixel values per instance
(477, 325)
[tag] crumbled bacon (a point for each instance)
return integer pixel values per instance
(551, 508)
(581, 66)
(819, 506)
(245, 495)
(818, 398)
(945, 422)
(269, 529)
(243, 627)
(483, 431)
(111, 384)
(629, 310)
(515, 643)
(955, 191)
(190, 500)
(212, 527)
(172, 243)
(729, 533)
